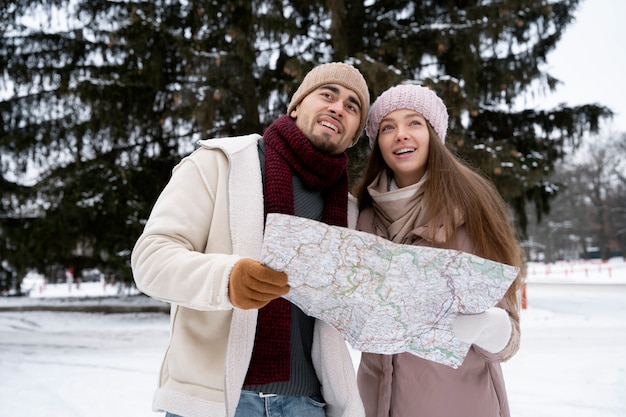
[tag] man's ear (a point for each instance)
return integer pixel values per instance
(294, 113)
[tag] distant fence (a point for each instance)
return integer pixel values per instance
(578, 271)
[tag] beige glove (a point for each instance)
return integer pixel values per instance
(490, 330)
(253, 285)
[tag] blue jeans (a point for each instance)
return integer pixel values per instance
(251, 404)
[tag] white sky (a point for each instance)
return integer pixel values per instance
(590, 60)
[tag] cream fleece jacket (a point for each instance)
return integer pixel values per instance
(208, 217)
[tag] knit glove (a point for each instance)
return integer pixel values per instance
(253, 285)
(490, 330)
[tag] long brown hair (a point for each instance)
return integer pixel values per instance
(454, 188)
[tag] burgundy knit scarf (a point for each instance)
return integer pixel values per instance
(288, 151)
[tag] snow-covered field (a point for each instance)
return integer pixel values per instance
(63, 364)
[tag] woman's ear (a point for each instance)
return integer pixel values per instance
(294, 113)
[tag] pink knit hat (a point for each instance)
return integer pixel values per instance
(411, 97)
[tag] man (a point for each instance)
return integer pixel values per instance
(236, 347)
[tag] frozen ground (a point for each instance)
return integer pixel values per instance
(69, 364)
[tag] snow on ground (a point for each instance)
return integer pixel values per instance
(69, 364)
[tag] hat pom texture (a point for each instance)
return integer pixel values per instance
(411, 97)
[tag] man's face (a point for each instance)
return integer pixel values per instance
(329, 117)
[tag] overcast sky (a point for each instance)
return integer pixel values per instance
(590, 60)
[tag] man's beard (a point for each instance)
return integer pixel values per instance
(324, 144)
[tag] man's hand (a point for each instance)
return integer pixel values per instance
(253, 285)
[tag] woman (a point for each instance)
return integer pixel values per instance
(415, 191)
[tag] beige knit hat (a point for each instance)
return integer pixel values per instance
(411, 97)
(335, 73)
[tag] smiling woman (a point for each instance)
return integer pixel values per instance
(416, 192)
(403, 140)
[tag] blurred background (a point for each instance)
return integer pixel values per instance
(99, 100)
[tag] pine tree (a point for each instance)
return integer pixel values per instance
(480, 57)
(100, 99)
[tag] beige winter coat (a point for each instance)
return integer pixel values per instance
(207, 218)
(409, 386)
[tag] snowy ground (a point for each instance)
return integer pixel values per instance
(67, 364)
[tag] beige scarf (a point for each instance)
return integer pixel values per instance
(399, 213)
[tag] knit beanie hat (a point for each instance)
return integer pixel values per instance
(410, 97)
(335, 73)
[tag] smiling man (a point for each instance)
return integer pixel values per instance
(331, 117)
(236, 347)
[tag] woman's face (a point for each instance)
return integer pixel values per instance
(403, 138)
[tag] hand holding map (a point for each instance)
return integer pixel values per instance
(382, 296)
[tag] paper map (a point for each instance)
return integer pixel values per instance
(382, 296)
